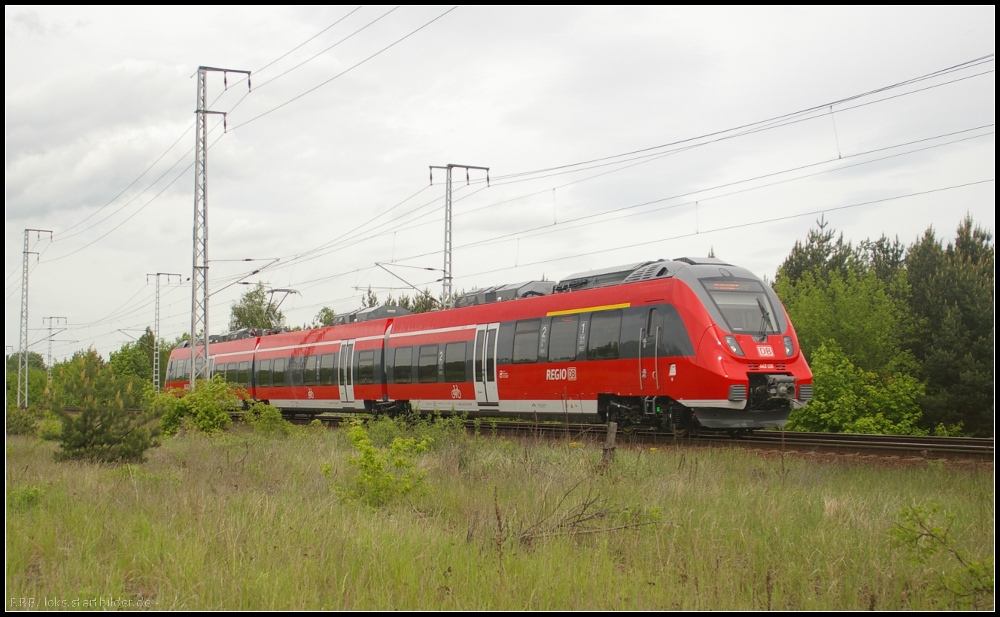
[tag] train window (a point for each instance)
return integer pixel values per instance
(505, 344)
(454, 362)
(526, 341)
(264, 373)
(634, 329)
(743, 304)
(278, 368)
(311, 375)
(243, 373)
(674, 340)
(366, 367)
(326, 369)
(480, 339)
(402, 371)
(293, 375)
(491, 338)
(427, 369)
(562, 345)
(605, 330)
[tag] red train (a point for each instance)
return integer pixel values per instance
(683, 343)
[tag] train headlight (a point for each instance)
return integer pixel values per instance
(789, 347)
(733, 345)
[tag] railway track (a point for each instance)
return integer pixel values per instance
(926, 447)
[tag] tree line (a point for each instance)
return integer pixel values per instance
(900, 338)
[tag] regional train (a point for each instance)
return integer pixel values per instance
(684, 344)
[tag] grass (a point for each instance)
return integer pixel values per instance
(246, 522)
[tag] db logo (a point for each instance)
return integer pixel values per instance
(765, 351)
(571, 373)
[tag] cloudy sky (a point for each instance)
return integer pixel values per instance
(613, 135)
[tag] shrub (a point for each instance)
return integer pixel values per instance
(21, 421)
(111, 426)
(51, 427)
(107, 433)
(386, 474)
(267, 420)
(206, 409)
(25, 498)
(969, 582)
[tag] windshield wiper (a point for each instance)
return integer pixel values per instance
(765, 319)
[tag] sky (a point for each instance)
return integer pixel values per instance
(612, 136)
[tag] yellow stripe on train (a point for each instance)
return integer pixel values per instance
(589, 309)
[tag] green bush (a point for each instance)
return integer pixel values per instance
(386, 474)
(849, 399)
(51, 427)
(25, 498)
(21, 421)
(267, 420)
(206, 409)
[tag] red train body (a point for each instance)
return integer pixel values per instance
(684, 344)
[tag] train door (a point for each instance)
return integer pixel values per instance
(347, 371)
(484, 363)
(650, 340)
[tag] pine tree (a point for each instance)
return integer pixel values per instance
(111, 426)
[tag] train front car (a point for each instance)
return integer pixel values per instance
(748, 366)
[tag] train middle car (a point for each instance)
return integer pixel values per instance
(684, 344)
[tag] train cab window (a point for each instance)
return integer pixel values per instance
(170, 371)
(454, 362)
(562, 343)
(526, 341)
(427, 364)
(605, 332)
(743, 304)
(402, 369)
(310, 376)
(278, 371)
(264, 373)
(366, 367)
(243, 373)
(327, 369)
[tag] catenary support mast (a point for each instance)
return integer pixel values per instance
(446, 280)
(200, 368)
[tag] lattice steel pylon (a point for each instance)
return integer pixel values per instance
(446, 279)
(22, 361)
(200, 368)
(48, 357)
(156, 327)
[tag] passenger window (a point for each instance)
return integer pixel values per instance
(526, 342)
(605, 331)
(427, 369)
(403, 369)
(310, 376)
(243, 374)
(279, 371)
(264, 373)
(366, 367)
(562, 346)
(454, 362)
(326, 369)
